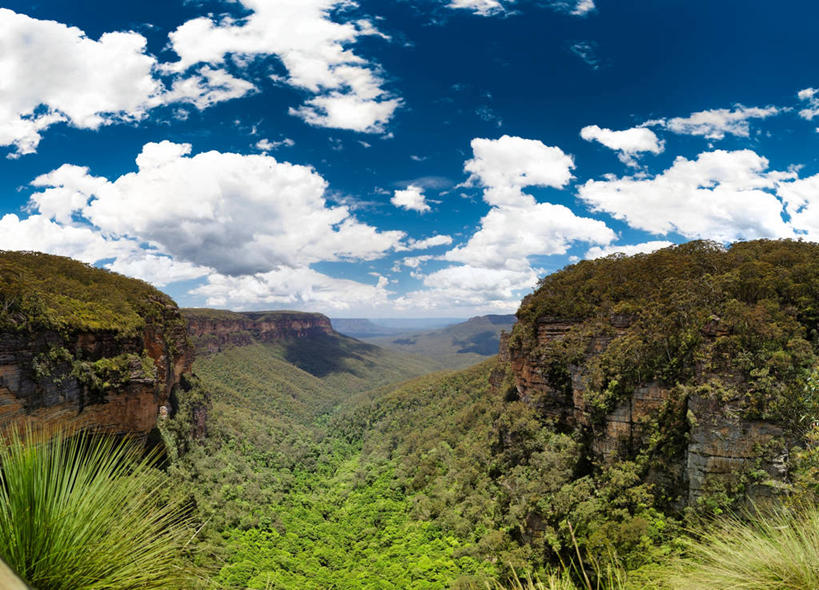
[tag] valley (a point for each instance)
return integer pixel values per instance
(635, 398)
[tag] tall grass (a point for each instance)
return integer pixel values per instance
(773, 550)
(79, 511)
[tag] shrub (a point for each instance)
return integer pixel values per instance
(83, 511)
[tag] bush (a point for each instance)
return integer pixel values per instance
(81, 511)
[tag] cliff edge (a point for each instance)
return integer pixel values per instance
(696, 362)
(86, 348)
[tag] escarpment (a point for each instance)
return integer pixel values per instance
(213, 330)
(695, 362)
(84, 348)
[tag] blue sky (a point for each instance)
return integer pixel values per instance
(404, 158)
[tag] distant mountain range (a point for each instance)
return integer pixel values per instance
(458, 345)
(366, 328)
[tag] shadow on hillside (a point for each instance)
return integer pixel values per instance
(484, 343)
(323, 354)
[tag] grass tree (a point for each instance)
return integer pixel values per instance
(81, 511)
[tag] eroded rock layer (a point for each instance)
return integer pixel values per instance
(214, 330)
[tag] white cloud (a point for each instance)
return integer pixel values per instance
(52, 73)
(347, 111)
(628, 250)
(628, 143)
(504, 166)
(810, 96)
(496, 7)
(314, 49)
(480, 7)
(583, 7)
(235, 213)
(587, 52)
(716, 123)
(155, 269)
(38, 233)
(411, 199)
(291, 287)
(438, 240)
(206, 87)
(509, 235)
(802, 203)
(470, 288)
(720, 196)
(495, 264)
(265, 145)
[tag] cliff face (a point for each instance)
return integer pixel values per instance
(715, 444)
(214, 330)
(114, 372)
(692, 362)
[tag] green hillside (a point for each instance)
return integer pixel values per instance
(457, 346)
(55, 292)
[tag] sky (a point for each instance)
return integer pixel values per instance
(399, 158)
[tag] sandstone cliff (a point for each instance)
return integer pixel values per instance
(692, 362)
(82, 347)
(214, 330)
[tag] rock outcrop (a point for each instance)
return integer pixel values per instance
(717, 443)
(213, 330)
(73, 369)
(709, 408)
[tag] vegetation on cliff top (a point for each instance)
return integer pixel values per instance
(54, 292)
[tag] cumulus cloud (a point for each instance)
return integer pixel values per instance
(504, 166)
(51, 73)
(156, 269)
(265, 145)
(469, 288)
(411, 198)
(628, 143)
(509, 235)
(206, 87)
(801, 198)
(314, 49)
(235, 213)
(720, 195)
(39, 233)
(627, 250)
(494, 263)
(810, 96)
(716, 123)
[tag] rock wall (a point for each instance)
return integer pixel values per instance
(717, 445)
(96, 380)
(214, 330)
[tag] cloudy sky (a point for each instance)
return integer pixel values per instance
(386, 158)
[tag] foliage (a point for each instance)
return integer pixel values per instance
(83, 512)
(766, 550)
(58, 293)
(744, 318)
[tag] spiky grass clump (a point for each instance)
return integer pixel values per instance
(79, 511)
(774, 550)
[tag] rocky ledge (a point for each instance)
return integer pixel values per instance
(213, 330)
